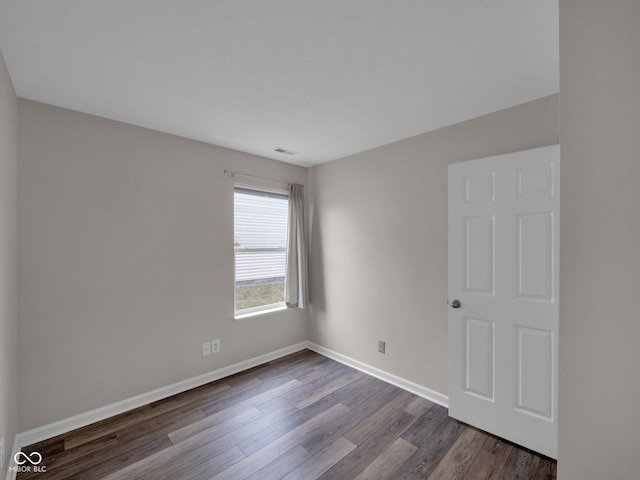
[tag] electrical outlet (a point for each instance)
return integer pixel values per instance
(381, 346)
(215, 346)
(206, 349)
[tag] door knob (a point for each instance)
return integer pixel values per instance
(455, 303)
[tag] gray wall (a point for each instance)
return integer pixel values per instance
(126, 262)
(8, 251)
(599, 422)
(379, 240)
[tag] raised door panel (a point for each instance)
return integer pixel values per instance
(479, 267)
(535, 180)
(535, 372)
(534, 251)
(479, 358)
(479, 188)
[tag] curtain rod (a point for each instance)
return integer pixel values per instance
(233, 174)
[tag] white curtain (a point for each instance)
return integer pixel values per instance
(296, 283)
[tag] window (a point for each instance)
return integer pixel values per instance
(260, 231)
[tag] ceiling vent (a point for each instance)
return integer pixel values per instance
(286, 152)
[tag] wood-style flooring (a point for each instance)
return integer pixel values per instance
(300, 417)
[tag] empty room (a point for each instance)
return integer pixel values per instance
(319, 239)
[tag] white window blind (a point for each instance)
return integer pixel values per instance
(260, 239)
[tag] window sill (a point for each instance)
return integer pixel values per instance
(257, 313)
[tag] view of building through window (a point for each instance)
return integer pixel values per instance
(260, 234)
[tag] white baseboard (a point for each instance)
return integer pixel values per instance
(63, 426)
(424, 392)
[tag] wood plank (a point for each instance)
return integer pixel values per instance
(46, 448)
(223, 434)
(490, 460)
(108, 460)
(196, 465)
(267, 373)
(362, 390)
(368, 426)
(212, 441)
(419, 407)
(426, 426)
(273, 368)
(322, 461)
(317, 441)
(56, 461)
(254, 396)
(232, 410)
(325, 371)
(297, 367)
(458, 459)
(522, 464)
(261, 438)
(282, 465)
(431, 450)
(358, 460)
(251, 464)
(224, 424)
(161, 424)
(305, 353)
(386, 464)
(284, 443)
(327, 389)
(305, 389)
(547, 469)
(116, 462)
(320, 375)
(111, 425)
(331, 399)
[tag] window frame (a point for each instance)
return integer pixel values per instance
(261, 309)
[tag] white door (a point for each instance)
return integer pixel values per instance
(503, 273)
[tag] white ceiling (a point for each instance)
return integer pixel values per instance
(323, 78)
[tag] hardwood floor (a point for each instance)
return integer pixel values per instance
(300, 417)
